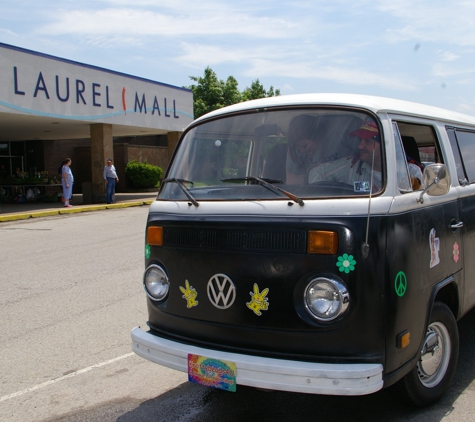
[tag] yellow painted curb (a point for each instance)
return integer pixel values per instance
(77, 209)
(124, 205)
(72, 210)
(14, 217)
(44, 214)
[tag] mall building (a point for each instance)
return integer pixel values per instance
(52, 108)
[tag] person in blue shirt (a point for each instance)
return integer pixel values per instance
(67, 181)
(111, 178)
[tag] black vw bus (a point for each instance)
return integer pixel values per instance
(314, 243)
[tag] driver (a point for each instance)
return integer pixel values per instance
(356, 168)
(303, 153)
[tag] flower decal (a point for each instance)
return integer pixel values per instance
(346, 263)
(456, 252)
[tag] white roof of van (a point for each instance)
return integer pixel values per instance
(372, 103)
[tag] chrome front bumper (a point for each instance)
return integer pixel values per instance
(352, 379)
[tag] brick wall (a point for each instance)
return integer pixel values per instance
(158, 156)
(82, 168)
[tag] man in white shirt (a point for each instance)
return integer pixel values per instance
(355, 170)
(110, 177)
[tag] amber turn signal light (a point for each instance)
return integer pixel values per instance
(322, 242)
(403, 339)
(155, 236)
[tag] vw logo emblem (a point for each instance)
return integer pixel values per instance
(221, 291)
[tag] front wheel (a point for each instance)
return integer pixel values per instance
(433, 373)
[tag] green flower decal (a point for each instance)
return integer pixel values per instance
(346, 263)
(147, 251)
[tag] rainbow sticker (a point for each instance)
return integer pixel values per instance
(211, 372)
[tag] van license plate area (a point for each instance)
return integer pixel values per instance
(212, 372)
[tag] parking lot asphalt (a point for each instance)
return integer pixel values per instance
(13, 212)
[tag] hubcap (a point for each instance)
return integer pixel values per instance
(435, 355)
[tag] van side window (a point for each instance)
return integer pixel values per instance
(420, 148)
(466, 143)
(403, 180)
(461, 174)
(420, 143)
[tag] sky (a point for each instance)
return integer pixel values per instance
(415, 50)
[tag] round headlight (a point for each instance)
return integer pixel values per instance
(156, 282)
(326, 299)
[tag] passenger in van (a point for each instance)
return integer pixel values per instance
(413, 161)
(356, 167)
(415, 172)
(303, 152)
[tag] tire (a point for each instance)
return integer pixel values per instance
(433, 373)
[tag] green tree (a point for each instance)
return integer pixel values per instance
(231, 92)
(257, 90)
(207, 93)
(210, 93)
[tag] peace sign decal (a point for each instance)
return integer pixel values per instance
(400, 283)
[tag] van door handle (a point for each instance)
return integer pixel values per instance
(458, 225)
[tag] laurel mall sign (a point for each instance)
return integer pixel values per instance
(83, 101)
(140, 105)
(41, 85)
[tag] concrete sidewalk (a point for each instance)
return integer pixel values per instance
(12, 212)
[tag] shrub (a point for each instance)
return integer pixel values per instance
(143, 175)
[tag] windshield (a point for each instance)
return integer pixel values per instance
(279, 154)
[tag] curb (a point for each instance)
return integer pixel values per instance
(14, 217)
(42, 214)
(74, 210)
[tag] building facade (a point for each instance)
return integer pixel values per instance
(52, 108)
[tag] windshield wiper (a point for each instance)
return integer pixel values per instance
(181, 183)
(266, 184)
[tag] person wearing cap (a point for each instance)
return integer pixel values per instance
(359, 167)
(111, 178)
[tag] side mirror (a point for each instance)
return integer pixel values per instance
(436, 181)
